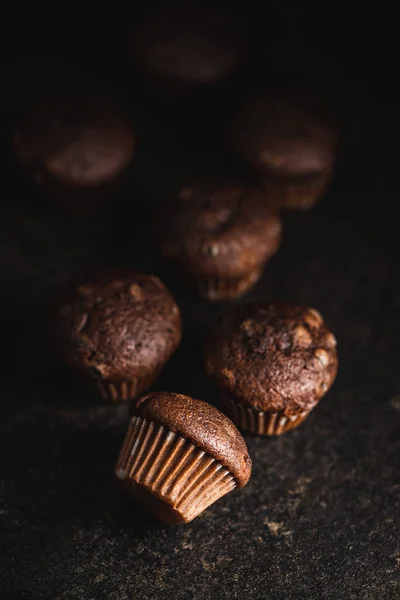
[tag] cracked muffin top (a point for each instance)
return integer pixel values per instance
(117, 325)
(273, 357)
(220, 230)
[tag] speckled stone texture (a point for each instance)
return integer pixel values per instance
(317, 521)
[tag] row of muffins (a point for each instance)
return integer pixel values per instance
(271, 362)
(78, 148)
(221, 234)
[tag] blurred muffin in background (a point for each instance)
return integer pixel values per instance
(290, 142)
(76, 148)
(221, 235)
(182, 46)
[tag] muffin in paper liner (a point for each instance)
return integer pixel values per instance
(261, 422)
(272, 362)
(220, 235)
(77, 147)
(115, 330)
(73, 200)
(290, 140)
(183, 46)
(176, 474)
(300, 193)
(174, 478)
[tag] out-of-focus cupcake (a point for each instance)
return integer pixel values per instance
(117, 330)
(76, 148)
(290, 142)
(221, 235)
(272, 363)
(180, 455)
(182, 46)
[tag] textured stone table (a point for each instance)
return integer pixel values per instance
(319, 518)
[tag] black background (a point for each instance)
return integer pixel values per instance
(318, 518)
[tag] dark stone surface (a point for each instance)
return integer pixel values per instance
(319, 518)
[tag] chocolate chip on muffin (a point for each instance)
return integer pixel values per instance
(76, 147)
(117, 330)
(291, 142)
(272, 363)
(180, 455)
(221, 235)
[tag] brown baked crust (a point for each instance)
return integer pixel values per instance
(78, 140)
(219, 230)
(286, 136)
(117, 325)
(187, 44)
(202, 424)
(273, 357)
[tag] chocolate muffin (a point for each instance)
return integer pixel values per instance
(272, 363)
(184, 46)
(180, 455)
(290, 141)
(221, 235)
(117, 330)
(76, 148)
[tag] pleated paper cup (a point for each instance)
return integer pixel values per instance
(78, 200)
(168, 474)
(218, 288)
(296, 194)
(261, 422)
(118, 391)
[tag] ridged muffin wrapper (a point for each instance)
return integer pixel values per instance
(261, 422)
(300, 194)
(218, 288)
(118, 391)
(124, 390)
(171, 476)
(78, 200)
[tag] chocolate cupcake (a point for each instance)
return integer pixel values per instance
(117, 330)
(180, 455)
(272, 363)
(184, 46)
(221, 236)
(76, 148)
(290, 141)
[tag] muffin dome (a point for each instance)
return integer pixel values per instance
(118, 326)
